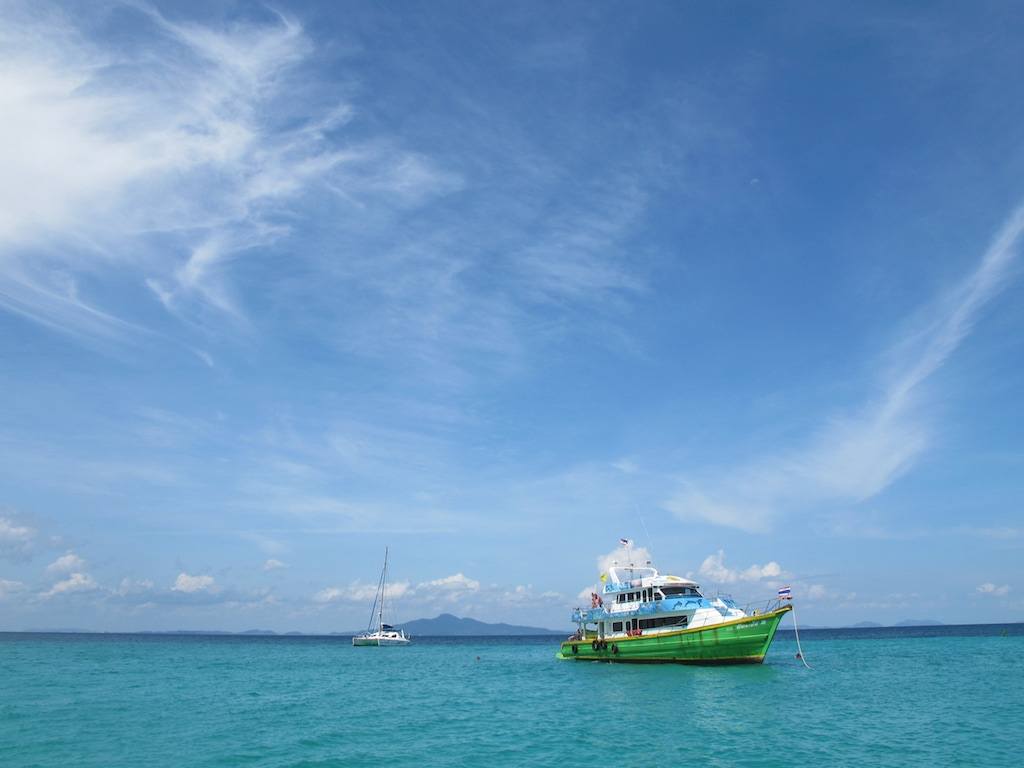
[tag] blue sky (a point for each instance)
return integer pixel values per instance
(495, 286)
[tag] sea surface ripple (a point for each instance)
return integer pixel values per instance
(879, 698)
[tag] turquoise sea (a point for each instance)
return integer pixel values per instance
(930, 697)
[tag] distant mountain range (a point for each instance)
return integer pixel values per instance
(872, 625)
(919, 623)
(447, 625)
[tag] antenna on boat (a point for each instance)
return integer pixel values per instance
(650, 549)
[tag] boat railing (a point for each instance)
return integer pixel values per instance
(763, 606)
(668, 605)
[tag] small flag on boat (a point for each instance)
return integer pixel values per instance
(625, 542)
(785, 593)
(604, 577)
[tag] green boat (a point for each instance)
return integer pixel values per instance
(644, 617)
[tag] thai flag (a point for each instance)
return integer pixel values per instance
(785, 593)
(625, 542)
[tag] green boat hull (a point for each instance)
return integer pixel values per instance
(740, 641)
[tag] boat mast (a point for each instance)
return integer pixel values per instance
(383, 591)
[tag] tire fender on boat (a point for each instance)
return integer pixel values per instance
(615, 648)
(595, 645)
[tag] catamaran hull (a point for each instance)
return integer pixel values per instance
(377, 641)
(740, 641)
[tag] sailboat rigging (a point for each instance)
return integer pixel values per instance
(384, 634)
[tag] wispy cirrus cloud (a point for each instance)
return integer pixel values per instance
(854, 457)
(216, 140)
(164, 159)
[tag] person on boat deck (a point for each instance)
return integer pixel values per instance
(595, 600)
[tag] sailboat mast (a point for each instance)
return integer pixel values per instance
(383, 591)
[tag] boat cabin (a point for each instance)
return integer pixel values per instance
(637, 600)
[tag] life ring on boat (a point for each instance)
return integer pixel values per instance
(615, 648)
(595, 645)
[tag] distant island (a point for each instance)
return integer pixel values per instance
(873, 625)
(453, 626)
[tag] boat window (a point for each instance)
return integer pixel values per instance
(657, 595)
(662, 621)
(680, 591)
(616, 626)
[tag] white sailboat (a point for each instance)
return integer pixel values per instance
(384, 634)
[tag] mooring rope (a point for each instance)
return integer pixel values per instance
(799, 650)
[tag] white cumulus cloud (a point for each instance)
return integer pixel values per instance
(357, 592)
(274, 565)
(66, 564)
(715, 569)
(190, 584)
(76, 582)
(623, 556)
(455, 582)
(988, 588)
(329, 595)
